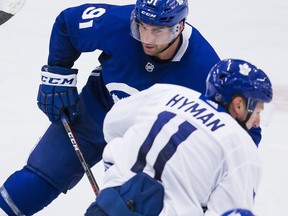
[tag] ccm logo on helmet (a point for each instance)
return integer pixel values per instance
(148, 14)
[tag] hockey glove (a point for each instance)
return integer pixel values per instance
(58, 92)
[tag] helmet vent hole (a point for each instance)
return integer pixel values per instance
(166, 19)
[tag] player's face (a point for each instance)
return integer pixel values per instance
(254, 120)
(155, 35)
(155, 39)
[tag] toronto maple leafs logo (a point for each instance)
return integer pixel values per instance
(244, 69)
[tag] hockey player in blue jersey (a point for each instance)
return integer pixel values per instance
(173, 151)
(142, 44)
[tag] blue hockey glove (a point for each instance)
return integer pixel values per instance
(58, 92)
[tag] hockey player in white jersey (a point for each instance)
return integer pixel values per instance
(173, 151)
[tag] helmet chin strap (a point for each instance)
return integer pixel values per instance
(243, 123)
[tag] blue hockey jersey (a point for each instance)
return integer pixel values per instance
(126, 69)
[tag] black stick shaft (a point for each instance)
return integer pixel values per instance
(85, 166)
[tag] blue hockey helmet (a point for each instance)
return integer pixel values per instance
(160, 13)
(232, 77)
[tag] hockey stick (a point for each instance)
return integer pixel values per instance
(8, 8)
(85, 166)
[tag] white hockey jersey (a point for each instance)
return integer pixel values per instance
(201, 155)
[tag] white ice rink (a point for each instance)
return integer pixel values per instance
(254, 30)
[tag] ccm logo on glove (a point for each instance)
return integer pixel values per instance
(58, 80)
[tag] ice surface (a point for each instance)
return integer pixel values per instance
(256, 31)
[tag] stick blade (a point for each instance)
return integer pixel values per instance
(4, 17)
(8, 8)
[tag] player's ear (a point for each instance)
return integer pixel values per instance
(182, 24)
(237, 106)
